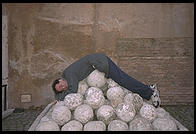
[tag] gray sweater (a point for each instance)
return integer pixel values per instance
(80, 69)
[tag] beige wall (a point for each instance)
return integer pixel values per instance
(143, 39)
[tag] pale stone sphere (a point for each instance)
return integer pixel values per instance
(95, 126)
(72, 125)
(115, 95)
(125, 112)
(106, 113)
(128, 99)
(73, 100)
(83, 113)
(117, 125)
(82, 87)
(61, 115)
(161, 113)
(164, 124)
(60, 103)
(47, 126)
(137, 101)
(96, 79)
(149, 112)
(140, 124)
(111, 83)
(95, 97)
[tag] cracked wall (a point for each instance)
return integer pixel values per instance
(45, 38)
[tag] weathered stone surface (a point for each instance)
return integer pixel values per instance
(115, 95)
(161, 113)
(126, 112)
(164, 124)
(82, 87)
(83, 113)
(95, 126)
(96, 79)
(106, 113)
(73, 100)
(72, 125)
(94, 97)
(61, 115)
(48, 126)
(148, 111)
(117, 125)
(140, 124)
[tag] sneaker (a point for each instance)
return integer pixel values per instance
(156, 101)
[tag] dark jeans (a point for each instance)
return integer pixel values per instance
(128, 82)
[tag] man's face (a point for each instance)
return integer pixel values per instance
(62, 85)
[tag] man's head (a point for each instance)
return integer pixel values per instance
(59, 85)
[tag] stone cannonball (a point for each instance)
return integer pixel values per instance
(137, 101)
(82, 87)
(115, 95)
(106, 113)
(128, 99)
(95, 126)
(117, 125)
(96, 79)
(72, 125)
(47, 126)
(161, 113)
(125, 112)
(140, 124)
(164, 124)
(94, 97)
(83, 113)
(111, 83)
(73, 100)
(148, 111)
(61, 115)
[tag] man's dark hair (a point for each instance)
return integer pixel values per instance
(54, 84)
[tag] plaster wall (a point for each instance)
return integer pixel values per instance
(45, 38)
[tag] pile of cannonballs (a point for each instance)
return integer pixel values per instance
(102, 105)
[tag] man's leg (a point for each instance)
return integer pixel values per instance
(128, 82)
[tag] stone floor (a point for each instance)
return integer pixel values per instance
(184, 114)
(21, 121)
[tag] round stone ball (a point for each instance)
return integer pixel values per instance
(106, 113)
(111, 83)
(164, 124)
(117, 125)
(137, 101)
(95, 126)
(115, 95)
(61, 115)
(128, 99)
(82, 87)
(60, 103)
(95, 97)
(83, 113)
(161, 113)
(72, 125)
(96, 79)
(73, 100)
(148, 111)
(140, 124)
(125, 112)
(47, 126)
